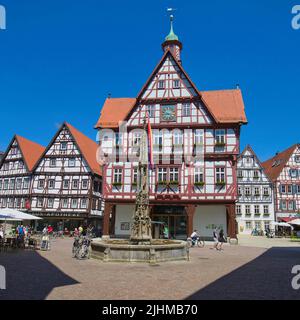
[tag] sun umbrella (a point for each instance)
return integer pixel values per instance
(15, 215)
(295, 222)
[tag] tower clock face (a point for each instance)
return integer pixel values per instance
(168, 113)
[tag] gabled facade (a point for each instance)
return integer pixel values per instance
(255, 206)
(284, 170)
(186, 191)
(16, 169)
(67, 182)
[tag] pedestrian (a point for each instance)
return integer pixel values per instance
(1, 232)
(80, 229)
(221, 240)
(216, 239)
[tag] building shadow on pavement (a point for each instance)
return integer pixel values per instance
(29, 276)
(268, 277)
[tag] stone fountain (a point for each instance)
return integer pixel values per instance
(140, 247)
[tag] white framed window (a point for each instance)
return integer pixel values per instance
(283, 188)
(72, 162)
(65, 203)
(51, 184)
(178, 137)
(4, 203)
(240, 174)
(12, 184)
(1, 184)
(162, 174)
(151, 111)
(158, 138)
(220, 175)
(63, 146)
(292, 205)
(199, 137)
(256, 209)
(50, 203)
(40, 202)
(18, 202)
(176, 84)
(85, 184)
(14, 151)
(135, 175)
(266, 191)
(136, 139)
(11, 202)
(118, 175)
(240, 191)
(19, 183)
(248, 209)
(75, 184)
(289, 189)
(283, 205)
(6, 166)
(266, 209)
(74, 203)
(293, 173)
(247, 191)
(220, 137)
(256, 174)
(66, 184)
(21, 165)
(83, 203)
(41, 184)
(256, 191)
(297, 158)
(298, 188)
(26, 183)
(186, 110)
(174, 175)
(238, 209)
(199, 175)
(161, 84)
(52, 163)
(6, 184)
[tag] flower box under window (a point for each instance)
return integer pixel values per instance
(199, 184)
(117, 184)
(174, 183)
(134, 184)
(162, 183)
(220, 144)
(221, 183)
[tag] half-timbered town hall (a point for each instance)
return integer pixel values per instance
(186, 192)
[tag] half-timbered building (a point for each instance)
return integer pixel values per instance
(186, 192)
(67, 182)
(284, 170)
(16, 169)
(255, 206)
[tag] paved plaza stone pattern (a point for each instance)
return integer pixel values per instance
(238, 272)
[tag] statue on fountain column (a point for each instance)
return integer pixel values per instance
(141, 229)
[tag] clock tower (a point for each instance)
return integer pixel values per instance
(172, 43)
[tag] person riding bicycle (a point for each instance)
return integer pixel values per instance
(194, 236)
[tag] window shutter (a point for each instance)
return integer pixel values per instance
(280, 205)
(294, 205)
(280, 189)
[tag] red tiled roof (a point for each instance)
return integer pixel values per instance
(88, 148)
(31, 151)
(226, 106)
(275, 165)
(114, 111)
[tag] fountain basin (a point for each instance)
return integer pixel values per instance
(119, 250)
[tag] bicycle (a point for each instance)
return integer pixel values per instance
(195, 243)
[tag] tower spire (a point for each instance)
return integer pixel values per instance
(172, 42)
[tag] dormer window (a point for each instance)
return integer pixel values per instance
(161, 84)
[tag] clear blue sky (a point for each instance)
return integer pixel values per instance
(60, 58)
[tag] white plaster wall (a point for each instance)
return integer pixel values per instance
(124, 213)
(206, 218)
